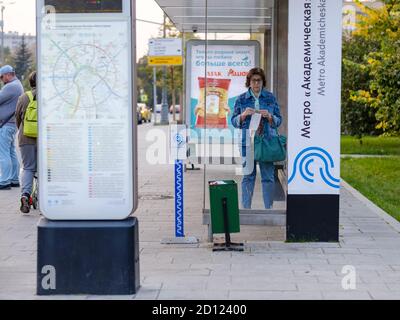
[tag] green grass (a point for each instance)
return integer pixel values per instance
(376, 178)
(371, 145)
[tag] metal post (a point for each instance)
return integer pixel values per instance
(155, 93)
(226, 222)
(2, 35)
(3, 4)
(179, 208)
(173, 94)
(272, 49)
(164, 102)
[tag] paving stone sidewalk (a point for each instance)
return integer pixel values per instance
(268, 269)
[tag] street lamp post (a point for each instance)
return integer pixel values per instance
(2, 35)
(3, 4)
(164, 102)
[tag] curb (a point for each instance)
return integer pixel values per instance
(366, 156)
(373, 207)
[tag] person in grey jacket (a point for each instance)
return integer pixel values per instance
(9, 94)
(27, 147)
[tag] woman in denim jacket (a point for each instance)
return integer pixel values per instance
(256, 99)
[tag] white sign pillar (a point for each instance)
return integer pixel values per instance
(87, 122)
(314, 76)
(87, 148)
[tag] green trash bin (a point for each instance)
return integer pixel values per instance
(224, 191)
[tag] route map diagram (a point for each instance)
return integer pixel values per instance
(86, 74)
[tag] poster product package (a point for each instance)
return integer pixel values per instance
(213, 112)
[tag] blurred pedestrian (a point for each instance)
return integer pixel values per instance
(27, 143)
(9, 94)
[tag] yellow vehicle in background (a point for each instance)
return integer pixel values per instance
(145, 112)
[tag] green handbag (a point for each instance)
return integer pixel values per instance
(272, 150)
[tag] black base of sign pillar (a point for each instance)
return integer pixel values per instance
(88, 257)
(312, 218)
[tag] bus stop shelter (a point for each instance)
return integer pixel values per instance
(300, 51)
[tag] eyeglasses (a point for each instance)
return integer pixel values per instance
(256, 80)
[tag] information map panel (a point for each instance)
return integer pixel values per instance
(86, 120)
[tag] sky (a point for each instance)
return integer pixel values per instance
(21, 17)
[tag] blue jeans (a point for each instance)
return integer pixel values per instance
(267, 181)
(9, 166)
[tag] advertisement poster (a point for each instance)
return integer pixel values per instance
(214, 82)
(315, 32)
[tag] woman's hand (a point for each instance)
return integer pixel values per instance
(266, 114)
(246, 113)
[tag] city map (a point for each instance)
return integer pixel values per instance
(86, 74)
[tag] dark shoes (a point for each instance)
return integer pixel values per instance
(9, 186)
(25, 206)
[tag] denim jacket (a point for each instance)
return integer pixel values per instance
(267, 102)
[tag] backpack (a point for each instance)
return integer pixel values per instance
(30, 119)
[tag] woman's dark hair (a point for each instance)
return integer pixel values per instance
(256, 71)
(32, 79)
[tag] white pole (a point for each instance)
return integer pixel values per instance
(155, 93)
(2, 35)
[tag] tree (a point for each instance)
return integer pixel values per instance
(22, 60)
(381, 64)
(175, 75)
(145, 79)
(7, 56)
(358, 118)
(145, 72)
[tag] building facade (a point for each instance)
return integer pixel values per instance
(351, 10)
(12, 40)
